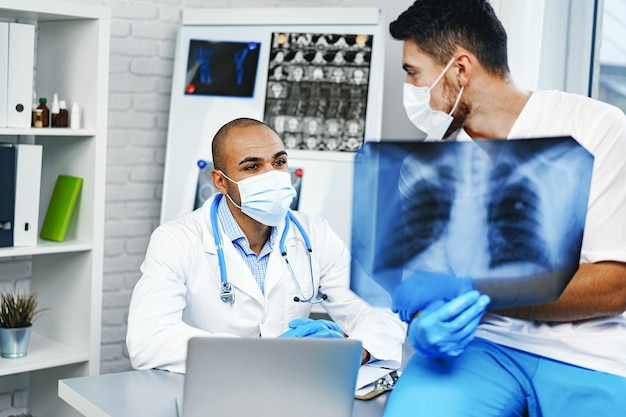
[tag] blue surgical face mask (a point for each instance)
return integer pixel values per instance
(416, 102)
(265, 197)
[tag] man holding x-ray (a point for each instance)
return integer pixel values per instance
(566, 357)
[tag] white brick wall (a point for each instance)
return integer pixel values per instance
(143, 36)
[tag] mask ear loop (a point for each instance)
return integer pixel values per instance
(227, 177)
(227, 195)
(458, 99)
(232, 201)
(448, 65)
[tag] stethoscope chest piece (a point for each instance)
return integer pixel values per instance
(227, 294)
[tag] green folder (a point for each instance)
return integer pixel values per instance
(61, 208)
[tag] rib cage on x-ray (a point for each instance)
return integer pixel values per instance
(511, 208)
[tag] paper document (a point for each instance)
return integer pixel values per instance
(369, 375)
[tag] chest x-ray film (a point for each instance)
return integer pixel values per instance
(508, 213)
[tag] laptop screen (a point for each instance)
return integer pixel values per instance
(237, 377)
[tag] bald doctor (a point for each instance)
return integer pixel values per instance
(189, 287)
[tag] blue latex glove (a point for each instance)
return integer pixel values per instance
(423, 288)
(444, 329)
(306, 327)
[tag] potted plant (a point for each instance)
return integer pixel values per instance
(17, 313)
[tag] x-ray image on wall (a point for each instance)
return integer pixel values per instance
(317, 90)
(219, 68)
(508, 213)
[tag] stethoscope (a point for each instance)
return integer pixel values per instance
(227, 294)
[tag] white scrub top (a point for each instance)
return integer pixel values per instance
(598, 344)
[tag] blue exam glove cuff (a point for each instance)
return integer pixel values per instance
(305, 327)
(423, 288)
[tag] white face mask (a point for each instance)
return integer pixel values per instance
(265, 197)
(416, 102)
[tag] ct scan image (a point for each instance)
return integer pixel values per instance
(317, 90)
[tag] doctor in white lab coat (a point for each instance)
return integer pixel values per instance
(178, 295)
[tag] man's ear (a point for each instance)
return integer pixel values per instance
(219, 181)
(465, 65)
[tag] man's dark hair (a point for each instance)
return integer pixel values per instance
(217, 146)
(438, 26)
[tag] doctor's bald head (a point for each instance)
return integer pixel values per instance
(227, 131)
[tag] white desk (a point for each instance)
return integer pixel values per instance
(150, 393)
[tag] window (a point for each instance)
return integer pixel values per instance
(611, 84)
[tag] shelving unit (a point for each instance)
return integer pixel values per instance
(71, 59)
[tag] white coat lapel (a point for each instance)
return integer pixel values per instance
(276, 268)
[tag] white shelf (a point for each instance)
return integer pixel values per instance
(44, 10)
(43, 353)
(72, 60)
(47, 131)
(45, 247)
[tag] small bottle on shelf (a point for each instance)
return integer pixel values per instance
(38, 118)
(54, 111)
(34, 109)
(75, 117)
(64, 115)
(45, 111)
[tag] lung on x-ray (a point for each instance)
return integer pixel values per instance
(508, 213)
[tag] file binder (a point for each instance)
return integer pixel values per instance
(27, 187)
(21, 58)
(4, 71)
(7, 194)
(61, 208)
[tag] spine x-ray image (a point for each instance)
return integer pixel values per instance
(219, 68)
(317, 87)
(508, 213)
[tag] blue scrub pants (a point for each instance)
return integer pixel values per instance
(490, 380)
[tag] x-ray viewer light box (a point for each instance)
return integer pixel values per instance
(508, 213)
(242, 39)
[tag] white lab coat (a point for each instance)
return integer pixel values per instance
(178, 295)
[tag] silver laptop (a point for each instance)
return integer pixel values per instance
(235, 377)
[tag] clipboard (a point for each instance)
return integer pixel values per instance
(384, 383)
